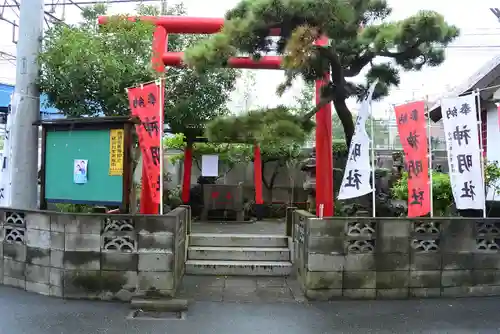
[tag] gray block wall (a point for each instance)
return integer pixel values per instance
(93, 256)
(384, 258)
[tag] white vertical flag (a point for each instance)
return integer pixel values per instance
(6, 160)
(462, 143)
(357, 174)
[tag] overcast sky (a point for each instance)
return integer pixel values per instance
(480, 41)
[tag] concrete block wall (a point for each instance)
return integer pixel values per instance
(92, 256)
(384, 258)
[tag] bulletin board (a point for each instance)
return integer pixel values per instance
(103, 148)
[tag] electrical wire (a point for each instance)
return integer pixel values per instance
(81, 3)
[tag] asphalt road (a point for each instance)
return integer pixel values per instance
(22, 312)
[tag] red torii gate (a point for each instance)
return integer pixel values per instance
(196, 25)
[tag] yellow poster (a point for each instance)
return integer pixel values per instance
(116, 152)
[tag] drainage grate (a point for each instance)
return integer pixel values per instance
(155, 315)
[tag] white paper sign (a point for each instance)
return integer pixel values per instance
(210, 165)
(464, 154)
(356, 181)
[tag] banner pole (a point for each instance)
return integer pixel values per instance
(481, 148)
(429, 156)
(372, 135)
(160, 105)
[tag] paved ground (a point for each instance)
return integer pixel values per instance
(240, 289)
(24, 313)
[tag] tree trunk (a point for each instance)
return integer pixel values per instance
(269, 185)
(345, 117)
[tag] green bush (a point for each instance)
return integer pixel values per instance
(441, 192)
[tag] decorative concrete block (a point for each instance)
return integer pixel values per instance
(486, 277)
(14, 251)
(325, 227)
(39, 221)
(57, 240)
(151, 281)
(56, 276)
(359, 293)
(484, 290)
(38, 238)
(393, 245)
(119, 261)
(394, 228)
(56, 291)
(14, 282)
(425, 292)
(457, 244)
(425, 261)
(323, 295)
(155, 224)
(125, 242)
(82, 224)
(394, 293)
(323, 280)
(392, 261)
(37, 274)
(155, 242)
(82, 260)
(486, 261)
(82, 284)
(57, 224)
(124, 279)
(393, 279)
(359, 280)
(14, 234)
(14, 269)
(156, 262)
(57, 258)
(451, 278)
(38, 256)
(457, 261)
(425, 279)
(325, 245)
(82, 242)
(325, 262)
(360, 262)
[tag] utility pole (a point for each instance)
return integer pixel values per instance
(26, 108)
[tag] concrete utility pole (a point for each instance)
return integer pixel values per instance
(26, 108)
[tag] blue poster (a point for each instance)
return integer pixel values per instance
(80, 171)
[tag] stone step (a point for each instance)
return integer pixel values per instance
(237, 240)
(238, 268)
(238, 253)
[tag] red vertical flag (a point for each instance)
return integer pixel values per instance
(413, 136)
(146, 102)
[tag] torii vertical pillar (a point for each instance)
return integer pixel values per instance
(324, 153)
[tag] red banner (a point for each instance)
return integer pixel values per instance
(413, 136)
(146, 102)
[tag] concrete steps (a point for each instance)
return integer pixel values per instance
(238, 268)
(237, 240)
(238, 255)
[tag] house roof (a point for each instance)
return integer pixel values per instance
(486, 76)
(6, 91)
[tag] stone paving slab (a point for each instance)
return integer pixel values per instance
(241, 289)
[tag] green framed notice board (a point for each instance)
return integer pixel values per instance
(67, 142)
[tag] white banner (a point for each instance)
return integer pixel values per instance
(464, 154)
(5, 162)
(356, 181)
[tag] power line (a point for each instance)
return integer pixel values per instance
(80, 3)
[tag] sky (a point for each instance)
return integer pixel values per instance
(479, 42)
